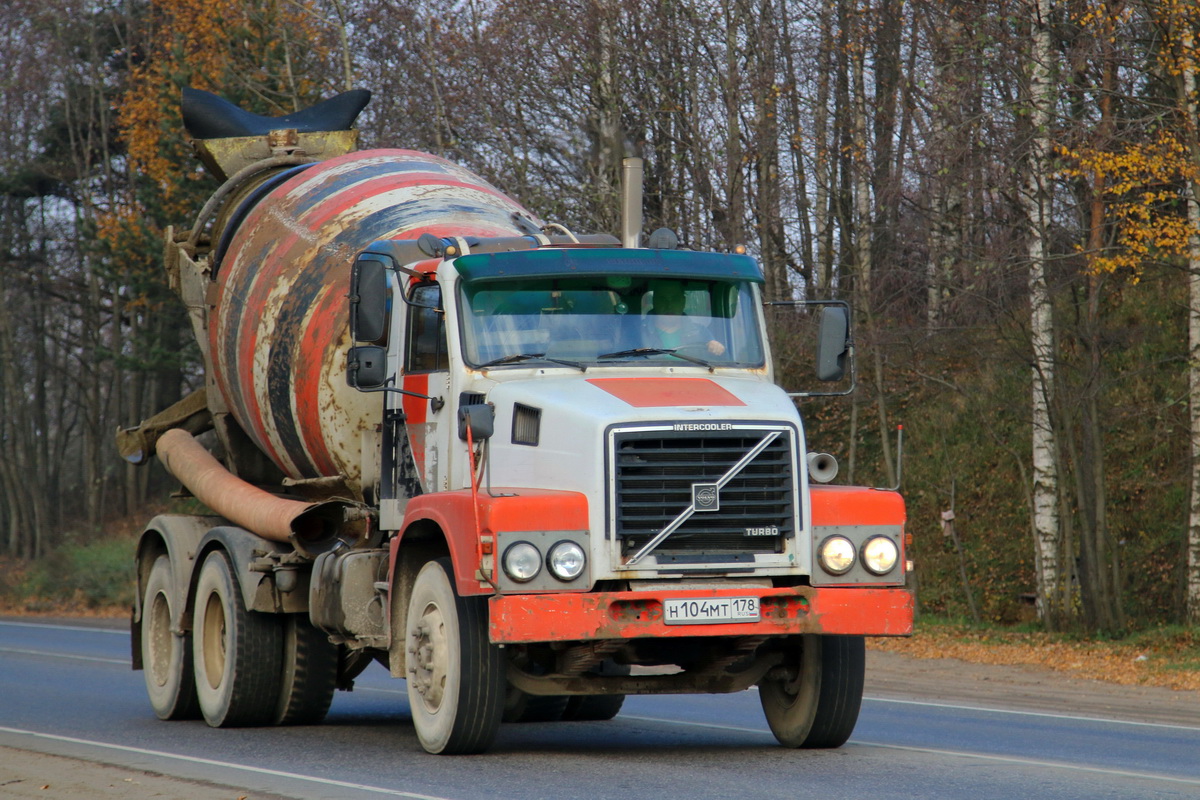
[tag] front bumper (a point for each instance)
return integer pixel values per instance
(867, 611)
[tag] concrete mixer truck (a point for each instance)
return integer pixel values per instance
(526, 470)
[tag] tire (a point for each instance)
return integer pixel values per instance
(237, 654)
(819, 707)
(166, 656)
(519, 706)
(597, 707)
(309, 675)
(522, 707)
(455, 675)
(593, 707)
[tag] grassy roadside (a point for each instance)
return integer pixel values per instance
(1167, 656)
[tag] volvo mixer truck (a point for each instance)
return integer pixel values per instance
(527, 471)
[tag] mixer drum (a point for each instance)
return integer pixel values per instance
(280, 330)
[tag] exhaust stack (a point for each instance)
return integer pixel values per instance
(631, 202)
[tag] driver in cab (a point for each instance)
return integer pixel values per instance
(667, 327)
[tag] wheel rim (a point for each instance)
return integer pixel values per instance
(214, 640)
(430, 656)
(788, 689)
(158, 640)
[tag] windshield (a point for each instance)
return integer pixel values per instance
(608, 319)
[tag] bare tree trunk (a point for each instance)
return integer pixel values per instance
(1035, 202)
(947, 157)
(1189, 105)
(731, 92)
(824, 164)
(1192, 581)
(766, 93)
(800, 177)
(863, 227)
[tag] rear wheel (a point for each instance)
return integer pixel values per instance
(166, 655)
(455, 675)
(522, 707)
(310, 671)
(816, 704)
(597, 707)
(237, 653)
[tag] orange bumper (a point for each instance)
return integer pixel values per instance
(518, 619)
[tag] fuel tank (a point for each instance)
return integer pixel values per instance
(279, 331)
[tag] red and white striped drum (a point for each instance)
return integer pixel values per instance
(280, 330)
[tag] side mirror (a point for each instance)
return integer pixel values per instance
(368, 300)
(833, 341)
(366, 366)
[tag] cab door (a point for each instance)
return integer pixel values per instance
(425, 371)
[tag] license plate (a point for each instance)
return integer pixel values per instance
(708, 610)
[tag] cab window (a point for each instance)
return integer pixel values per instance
(426, 351)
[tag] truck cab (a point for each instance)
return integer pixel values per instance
(596, 435)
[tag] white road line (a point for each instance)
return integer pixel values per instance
(1146, 776)
(122, 661)
(225, 764)
(685, 723)
(1042, 714)
(933, 751)
(118, 631)
(982, 709)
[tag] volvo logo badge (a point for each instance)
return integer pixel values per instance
(706, 497)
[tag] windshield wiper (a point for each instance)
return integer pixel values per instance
(519, 357)
(656, 351)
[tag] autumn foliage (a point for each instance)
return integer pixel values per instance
(257, 53)
(1143, 195)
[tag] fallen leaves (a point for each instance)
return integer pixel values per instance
(1169, 665)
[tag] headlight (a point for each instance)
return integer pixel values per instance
(836, 555)
(522, 562)
(879, 555)
(566, 560)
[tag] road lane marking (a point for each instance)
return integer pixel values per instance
(224, 764)
(1042, 714)
(934, 751)
(122, 661)
(1120, 773)
(118, 631)
(982, 709)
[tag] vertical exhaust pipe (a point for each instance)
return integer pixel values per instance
(631, 202)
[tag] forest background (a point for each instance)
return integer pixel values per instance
(1004, 189)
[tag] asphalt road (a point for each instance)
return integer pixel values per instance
(68, 690)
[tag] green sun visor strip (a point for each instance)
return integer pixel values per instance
(568, 262)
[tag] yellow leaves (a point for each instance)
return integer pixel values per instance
(206, 44)
(1140, 185)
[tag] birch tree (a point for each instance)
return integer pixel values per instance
(1036, 203)
(1187, 100)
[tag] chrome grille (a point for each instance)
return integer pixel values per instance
(655, 472)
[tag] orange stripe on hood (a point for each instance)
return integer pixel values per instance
(658, 392)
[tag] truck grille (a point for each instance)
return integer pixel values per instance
(655, 471)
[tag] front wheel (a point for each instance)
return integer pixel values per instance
(238, 654)
(166, 654)
(455, 675)
(816, 703)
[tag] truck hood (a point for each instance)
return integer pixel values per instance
(569, 416)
